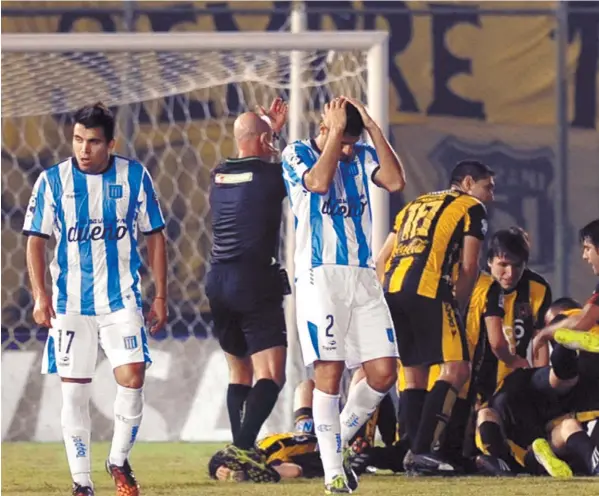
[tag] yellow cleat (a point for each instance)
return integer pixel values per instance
(577, 340)
(337, 486)
(554, 466)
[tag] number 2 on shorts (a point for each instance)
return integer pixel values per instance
(69, 336)
(331, 321)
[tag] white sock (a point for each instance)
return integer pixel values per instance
(76, 430)
(128, 410)
(325, 408)
(361, 404)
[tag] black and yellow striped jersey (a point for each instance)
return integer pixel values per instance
(429, 234)
(286, 446)
(525, 307)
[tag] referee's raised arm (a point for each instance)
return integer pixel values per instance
(245, 284)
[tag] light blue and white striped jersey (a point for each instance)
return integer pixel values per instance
(334, 228)
(94, 218)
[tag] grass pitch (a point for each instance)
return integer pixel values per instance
(180, 469)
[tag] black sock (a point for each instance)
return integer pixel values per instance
(453, 446)
(387, 421)
(564, 362)
(435, 417)
(492, 438)
(580, 449)
(236, 396)
(412, 403)
(303, 420)
(531, 464)
(259, 404)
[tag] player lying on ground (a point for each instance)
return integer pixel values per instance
(94, 203)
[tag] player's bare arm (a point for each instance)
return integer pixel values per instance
(319, 178)
(157, 260)
(36, 267)
(384, 255)
(500, 346)
(583, 321)
(468, 270)
(391, 176)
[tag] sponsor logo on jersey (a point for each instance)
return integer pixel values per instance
(96, 231)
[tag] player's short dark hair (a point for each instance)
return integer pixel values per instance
(590, 232)
(512, 243)
(564, 303)
(96, 115)
(473, 168)
(354, 125)
(216, 461)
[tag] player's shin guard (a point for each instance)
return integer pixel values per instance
(361, 404)
(435, 417)
(128, 410)
(76, 430)
(328, 432)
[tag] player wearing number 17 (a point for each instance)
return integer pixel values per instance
(93, 203)
(341, 312)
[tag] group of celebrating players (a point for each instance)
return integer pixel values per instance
(493, 376)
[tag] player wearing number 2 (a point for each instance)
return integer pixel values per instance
(435, 236)
(93, 203)
(341, 312)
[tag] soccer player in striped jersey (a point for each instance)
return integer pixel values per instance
(93, 203)
(341, 312)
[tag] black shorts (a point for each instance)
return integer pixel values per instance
(582, 400)
(247, 308)
(523, 411)
(429, 331)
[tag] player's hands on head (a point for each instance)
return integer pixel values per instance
(157, 316)
(368, 121)
(43, 311)
(277, 113)
(333, 117)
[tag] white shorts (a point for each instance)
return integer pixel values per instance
(342, 315)
(72, 345)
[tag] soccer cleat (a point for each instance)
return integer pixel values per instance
(251, 462)
(577, 340)
(428, 464)
(491, 465)
(123, 478)
(551, 463)
(338, 485)
(352, 478)
(79, 490)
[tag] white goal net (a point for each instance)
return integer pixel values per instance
(175, 109)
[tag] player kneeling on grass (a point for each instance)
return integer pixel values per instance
(93, 203)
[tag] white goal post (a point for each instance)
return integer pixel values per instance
(373, 44)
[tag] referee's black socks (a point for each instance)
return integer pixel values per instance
(259, 404)
(236, 396)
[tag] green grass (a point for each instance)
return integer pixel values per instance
(34, 469)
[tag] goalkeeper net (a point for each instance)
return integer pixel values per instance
(175, 111)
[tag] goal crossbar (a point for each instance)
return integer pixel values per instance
(192, 42)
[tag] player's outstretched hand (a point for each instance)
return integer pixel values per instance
(277, 113)
(157, 315)
(368, 121)
(333, 117)
(43, 311)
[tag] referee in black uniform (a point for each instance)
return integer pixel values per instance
(245, 284)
